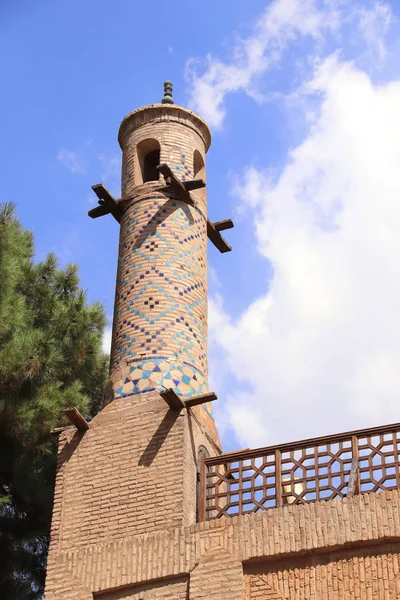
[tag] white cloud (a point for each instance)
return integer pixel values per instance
(282, 23)
(106, 342)
(320, 350)
(71, 160)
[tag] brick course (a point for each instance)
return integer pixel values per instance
(273, 540)
(356, 574)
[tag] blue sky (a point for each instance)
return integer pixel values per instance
(303, 101)
(73, 70)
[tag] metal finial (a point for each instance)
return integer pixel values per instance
(168, 99)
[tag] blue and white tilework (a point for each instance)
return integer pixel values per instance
(160, 320)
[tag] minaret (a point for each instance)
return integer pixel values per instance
(133, 471)
(159, 339)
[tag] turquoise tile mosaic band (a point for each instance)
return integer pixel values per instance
(161, 373)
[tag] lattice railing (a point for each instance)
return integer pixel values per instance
(323, 468)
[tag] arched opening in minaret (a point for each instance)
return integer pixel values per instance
(149, 159)
(199, 170)
(202, 454)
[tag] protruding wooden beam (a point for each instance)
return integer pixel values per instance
(76, 418)
(222, 225)
(174, 184)
(182, 189)
(216, 238)
(98, 211)
(107, 204)
(176, 403)
(172, 399)
(194, 184)
(196, 400)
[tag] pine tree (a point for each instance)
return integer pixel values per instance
(50, 358)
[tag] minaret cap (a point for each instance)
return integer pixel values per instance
(168, 99)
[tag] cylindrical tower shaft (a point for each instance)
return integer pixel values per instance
(160, 317)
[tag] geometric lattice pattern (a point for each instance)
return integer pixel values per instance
(302, 472)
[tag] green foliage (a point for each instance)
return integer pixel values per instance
(50, 358)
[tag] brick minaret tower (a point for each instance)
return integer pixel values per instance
(134, 469)
(160, 316)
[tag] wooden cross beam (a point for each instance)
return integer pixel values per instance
(194, 184)
(182, 190)
(176, 403)
(201, 399)
(107, 204)
(174, 184)
(172, 399)
(216, 238)
(76, 418)
(222, 225)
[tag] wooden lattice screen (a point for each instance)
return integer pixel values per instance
(323, 468)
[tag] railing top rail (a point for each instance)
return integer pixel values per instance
(307, 443)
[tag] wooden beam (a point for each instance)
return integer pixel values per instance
(278, 479)
(238, 452)
(353, 479)
(307, 443)
(176, 403)
(98, 211)
(76, 418)
(222, 225)
(107, 204)
(194, 184)
(181, 189)
(216, 238)
(172, 399)
(174, 184)
(196, 400)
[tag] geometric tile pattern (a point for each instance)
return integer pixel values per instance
(163, 373)
(159, 373)
(176, 160)
(160, 318)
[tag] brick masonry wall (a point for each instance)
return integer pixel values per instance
(131, 472)
(357, 574)
(217, 576)
(272, 540)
